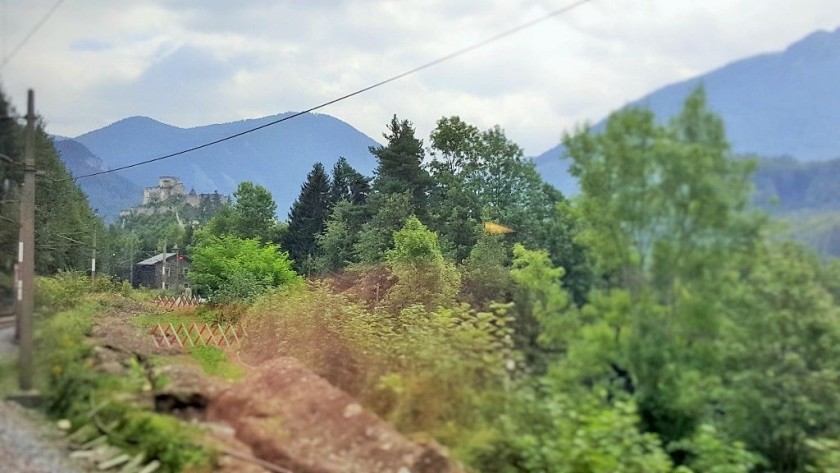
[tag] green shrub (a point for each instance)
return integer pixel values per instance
(67, 288)
(230, 268)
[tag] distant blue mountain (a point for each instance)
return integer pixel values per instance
(277, 157)
(778, 104)
(107, 193)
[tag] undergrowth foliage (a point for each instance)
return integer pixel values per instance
(73, 389)
(430, 372)
(66, 288)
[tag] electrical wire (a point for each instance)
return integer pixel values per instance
(427, 65)
(31, 33)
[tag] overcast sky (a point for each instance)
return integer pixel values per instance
(195, 62)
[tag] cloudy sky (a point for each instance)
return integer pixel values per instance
(195, 62)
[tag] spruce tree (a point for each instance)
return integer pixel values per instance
(348, 184)
(401, 165)
(307, 219)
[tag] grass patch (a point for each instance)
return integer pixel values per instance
(215, 363)
(164, 318)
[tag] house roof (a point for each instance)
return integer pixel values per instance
(156, 259)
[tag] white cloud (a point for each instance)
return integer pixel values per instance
(191, 62)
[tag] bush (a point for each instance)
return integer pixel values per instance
(233, 269)
(67, 288)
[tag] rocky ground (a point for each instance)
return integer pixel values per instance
(30, 445)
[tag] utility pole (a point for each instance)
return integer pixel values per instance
(26, 247)
(131, 260)
(163, 268)
(93, 258)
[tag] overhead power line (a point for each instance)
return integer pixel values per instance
(427, 65)
(31, 33)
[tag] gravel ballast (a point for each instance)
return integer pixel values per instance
(26, 445)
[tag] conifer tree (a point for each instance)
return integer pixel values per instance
(307, 219)
(348, 184)
(401, 165)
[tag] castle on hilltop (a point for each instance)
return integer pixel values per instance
(168, 195)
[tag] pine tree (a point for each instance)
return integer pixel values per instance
(401, 165)
(307, 219)
(348, 184)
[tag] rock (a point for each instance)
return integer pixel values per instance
(293, 418)
(151, 467)
(64, 425)
(115, 461)
(133, 464)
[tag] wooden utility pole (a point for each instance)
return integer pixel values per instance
(93, 258)
(26, 247)
(163, 268)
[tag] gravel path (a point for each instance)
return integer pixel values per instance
(26, 447)
(27, 444)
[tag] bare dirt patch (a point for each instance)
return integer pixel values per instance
(294, 418)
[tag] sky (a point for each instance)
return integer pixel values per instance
(196, 62)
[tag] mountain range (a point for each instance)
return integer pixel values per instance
(277, 157)
(778, 104)
(781, 104)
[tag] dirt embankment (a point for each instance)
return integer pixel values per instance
(281, 412)
(296, 419)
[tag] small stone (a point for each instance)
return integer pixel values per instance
(133, 464)
(64, 424)
(116, 461)
(81, 454)
(153, 466)
(352, 409)
(95, 442)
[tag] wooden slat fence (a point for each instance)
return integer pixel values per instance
(190, 335)
(172, 303)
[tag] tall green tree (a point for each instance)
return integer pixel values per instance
(335, 244)
(482, 175)
(308, 218)
(454, 209)
(10, 176)
(400, 165)
(255, 212)
(348, 184)
(666, 226)
(781, 349)
(65, 224)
